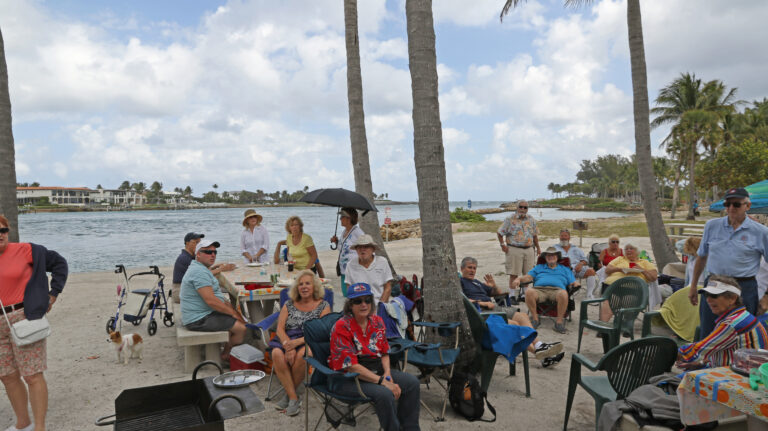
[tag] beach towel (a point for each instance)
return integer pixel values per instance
(395, 315)
(680, 315)
(507, 340)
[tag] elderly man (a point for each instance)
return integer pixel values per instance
(519, 240)
(735, 244)
(579, 263)
(204, 306)
(186, 257)
(550, 283)
(480, 294)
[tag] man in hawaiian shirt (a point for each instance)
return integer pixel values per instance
(519, 239)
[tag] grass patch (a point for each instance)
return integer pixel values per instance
(460, 215)
(480, 226)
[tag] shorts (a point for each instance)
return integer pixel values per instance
(547, 293)
(27, 360)
(519, 260)
(213, 322)
(583, 272)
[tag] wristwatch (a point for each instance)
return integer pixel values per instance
(381, 379)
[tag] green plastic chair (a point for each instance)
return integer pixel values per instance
(485, 360)
(627, 297)
(627, 367)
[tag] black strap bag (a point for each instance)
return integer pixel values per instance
(467, 399)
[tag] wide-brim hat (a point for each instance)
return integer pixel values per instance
(552, 250)
(359, 289)
(251, 213)
(718, 287)
(364, 240)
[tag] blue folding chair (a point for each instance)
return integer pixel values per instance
(268, 325)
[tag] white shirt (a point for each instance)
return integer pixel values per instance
(252, 242)
(762, 278)
(346, 252)
(376, 275)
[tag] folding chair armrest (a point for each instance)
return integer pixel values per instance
(647, 318)
(399, 345)
(438, 325)
(581, 359)
(327, 371)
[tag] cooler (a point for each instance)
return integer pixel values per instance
(246, 357)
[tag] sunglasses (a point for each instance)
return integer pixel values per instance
(712, 295)
(523, 208)
(4, 230)
(735, 204)
(358, 301)
(614, 241)
(208, 251)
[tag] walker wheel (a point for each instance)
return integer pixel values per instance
(137, 322)
(110, 325)
(168, 319)
(152, 329)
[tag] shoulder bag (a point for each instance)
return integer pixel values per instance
(26, 331)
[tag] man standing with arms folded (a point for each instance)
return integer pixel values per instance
(732, 246)
(519, 240)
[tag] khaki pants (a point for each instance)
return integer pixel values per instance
(519, 260)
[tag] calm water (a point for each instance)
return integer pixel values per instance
(97, 241)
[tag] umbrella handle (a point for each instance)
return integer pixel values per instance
(335, 245)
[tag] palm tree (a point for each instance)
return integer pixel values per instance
(8, 204)
(662, 247)
(441, 285)
(360, 162)
(696, 111)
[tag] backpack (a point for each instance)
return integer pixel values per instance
(467, 399)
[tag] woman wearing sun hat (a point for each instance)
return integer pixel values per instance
(254, 240)
(735, 328)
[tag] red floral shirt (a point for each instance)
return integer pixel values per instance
(348, 341)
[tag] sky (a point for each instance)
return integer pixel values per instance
(252, 94)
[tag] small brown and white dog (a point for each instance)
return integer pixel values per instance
(128, 342)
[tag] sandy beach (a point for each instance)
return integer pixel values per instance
(84, 378)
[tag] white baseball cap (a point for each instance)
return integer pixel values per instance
(718, 287)
(206, 243)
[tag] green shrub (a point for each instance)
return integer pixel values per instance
(461, 215)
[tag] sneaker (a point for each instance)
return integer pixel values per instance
(548, 349)
(535, 323)
(282, 404)
(29, 427)
(293, 407)
(552, 360)
(560, 327)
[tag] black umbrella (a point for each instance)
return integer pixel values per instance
(339, 198)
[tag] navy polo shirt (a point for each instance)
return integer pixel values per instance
(181, 265)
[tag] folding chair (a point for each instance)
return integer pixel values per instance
(268, 325)
(627, 297)
(549, 308)
(594, 254)
(433, 358)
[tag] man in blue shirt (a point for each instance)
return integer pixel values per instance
(480, 293)
(204, 306)
(550, 282)
(731, 246)
(186, 257)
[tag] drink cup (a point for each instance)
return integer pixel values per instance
(290, 265)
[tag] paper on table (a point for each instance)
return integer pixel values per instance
(632, 270)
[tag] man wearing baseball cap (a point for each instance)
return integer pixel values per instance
(204, 306)
(731, 246)
(187, 255)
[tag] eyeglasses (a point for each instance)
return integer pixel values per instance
(614, 241)
(358, 301)
(209, 251)
(735, 204)
(523, 208)
(4, 230)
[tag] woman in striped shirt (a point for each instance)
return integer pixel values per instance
(735, 328)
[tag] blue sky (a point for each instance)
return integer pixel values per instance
(252, 94)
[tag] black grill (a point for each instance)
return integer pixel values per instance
(171, 419)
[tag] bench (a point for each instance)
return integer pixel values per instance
(198, 346)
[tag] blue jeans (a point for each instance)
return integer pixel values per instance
(748, 298)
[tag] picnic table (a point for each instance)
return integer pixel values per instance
(260, 303)
(719, 393)
(684, 230)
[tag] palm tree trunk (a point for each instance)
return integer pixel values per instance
(360, 161)
(676, 190)
(691, 183)
(8, 204)
(441, 285)
(662, 248)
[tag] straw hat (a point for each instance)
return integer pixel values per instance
(251, 213)
(364, 240)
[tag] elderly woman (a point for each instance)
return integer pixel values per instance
(300, 247)
(370, 269)
(25, 293)
(612, 252)
(254, 240)
(627, 265)
(735, 328)
(359, 345)
(346, 253)
(306, 303)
